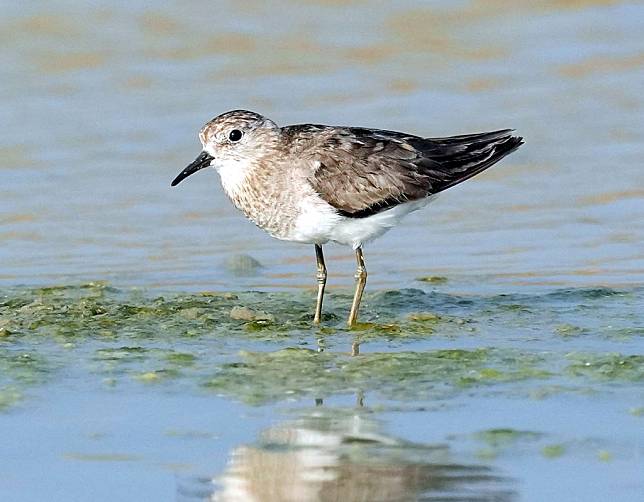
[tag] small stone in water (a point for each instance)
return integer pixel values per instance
(245, 314)
(433, 279)
(243, 265)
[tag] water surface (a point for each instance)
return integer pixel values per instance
(513, 371)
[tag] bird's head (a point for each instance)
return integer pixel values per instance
(232, 142)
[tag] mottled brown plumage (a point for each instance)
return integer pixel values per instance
(316, 183)
(361, 172)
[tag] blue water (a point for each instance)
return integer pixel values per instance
(101, 107)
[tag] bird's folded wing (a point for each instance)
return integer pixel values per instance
(361, 172)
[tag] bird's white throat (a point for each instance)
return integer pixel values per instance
(233, 172)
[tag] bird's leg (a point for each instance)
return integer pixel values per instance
(321, 277)
(355, 347)
(361, 280)
(360, 399)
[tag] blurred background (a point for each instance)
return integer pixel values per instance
(102, 103)
(512, 371)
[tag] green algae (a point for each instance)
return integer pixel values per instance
(505, 436)
(569, 330)
(96, 310)
(413, 352)
(9, 396)
(23, 367)
(506, 442)
(623, 333)
(502, 440)
(146, 365)
(432, 279)
(122, 354)
(553, 450)
(140, 337)
(425, 317)
(19, 370)
(245, 314)
(613, 367)
(266, 376)
(181, 358)
(156, 375)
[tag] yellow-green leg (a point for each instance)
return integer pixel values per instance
(321, 277)
(361, 281)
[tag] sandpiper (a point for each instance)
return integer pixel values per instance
(316, 184)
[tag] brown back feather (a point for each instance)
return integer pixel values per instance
(365, 171)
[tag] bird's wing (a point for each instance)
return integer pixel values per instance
(361, 172)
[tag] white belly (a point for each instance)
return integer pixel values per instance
(319, 223)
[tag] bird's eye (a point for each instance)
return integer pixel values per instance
(235, 135)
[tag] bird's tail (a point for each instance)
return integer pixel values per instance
(452, 160)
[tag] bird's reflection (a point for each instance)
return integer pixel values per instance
(342, 455)
(355, 345)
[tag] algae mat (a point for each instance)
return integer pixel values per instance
(433, 395)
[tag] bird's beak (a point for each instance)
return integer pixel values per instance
(200, 162)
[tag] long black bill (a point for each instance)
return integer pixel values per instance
(200, 162)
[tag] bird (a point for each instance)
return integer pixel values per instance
(315, 184)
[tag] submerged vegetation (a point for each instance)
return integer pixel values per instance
(416, 352)
(261, 347)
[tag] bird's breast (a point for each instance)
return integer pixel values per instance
(268, 200)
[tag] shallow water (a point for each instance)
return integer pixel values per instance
(435, 395)
(500, 355)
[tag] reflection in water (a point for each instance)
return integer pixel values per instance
(345, 457)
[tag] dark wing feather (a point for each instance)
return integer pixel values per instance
(362, 172)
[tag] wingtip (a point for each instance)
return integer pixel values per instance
(519, 140)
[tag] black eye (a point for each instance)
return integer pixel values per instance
(235, 135)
